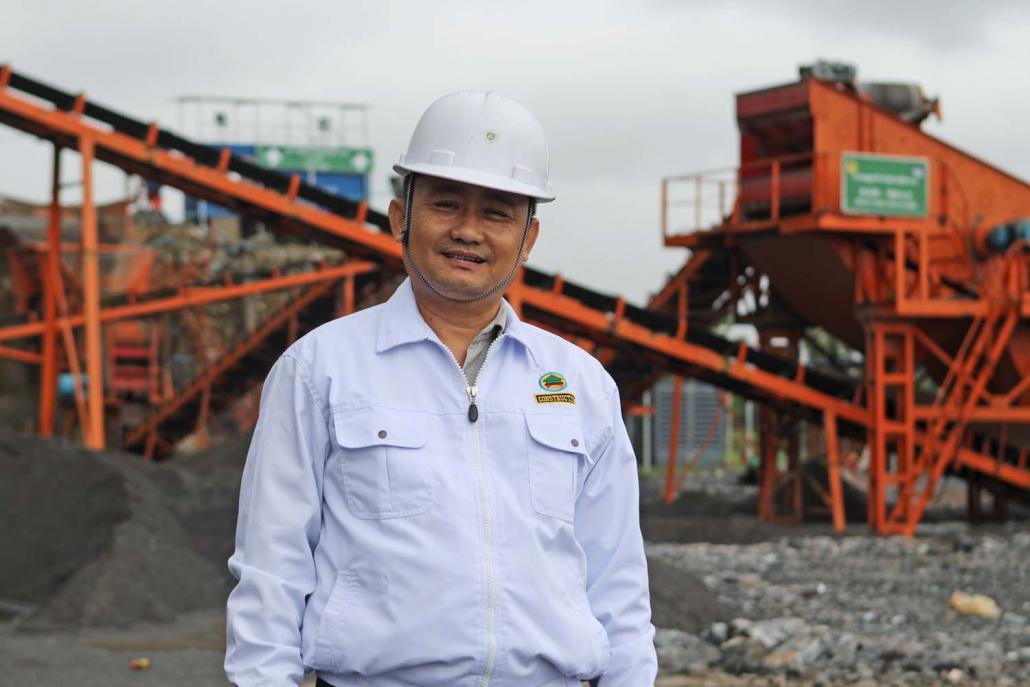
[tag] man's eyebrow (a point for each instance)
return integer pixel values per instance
(502, 198)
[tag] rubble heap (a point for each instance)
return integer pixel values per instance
(838, 611)
(106, 539)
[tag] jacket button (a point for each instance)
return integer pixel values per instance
(575, 442)
(382, 434)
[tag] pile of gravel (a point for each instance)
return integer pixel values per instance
(106, 539)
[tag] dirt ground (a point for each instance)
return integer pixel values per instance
(187, 651)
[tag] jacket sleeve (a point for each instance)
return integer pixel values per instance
(276, 533)
(608, 529)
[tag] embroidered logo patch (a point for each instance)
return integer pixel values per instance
(553, 381)
(556, 398)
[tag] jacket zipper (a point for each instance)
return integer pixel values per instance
(471, 391)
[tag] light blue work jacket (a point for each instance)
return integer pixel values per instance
(385, 539)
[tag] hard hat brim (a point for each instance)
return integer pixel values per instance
(476, 178)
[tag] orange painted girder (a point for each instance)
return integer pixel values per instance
(192, 297)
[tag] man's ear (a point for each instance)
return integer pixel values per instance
(534, 230)
(396, 213)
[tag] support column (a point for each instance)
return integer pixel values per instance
(876, 434)
(203, 437)
(795, 497)
(768, 463)
(48, 368)
(974, 503)
(674, 439)
(833, 471)
(348, 295)
(780, 497)
(91, 302)
(647, 426)
(893, 471)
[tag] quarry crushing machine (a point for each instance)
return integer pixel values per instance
(899, 245)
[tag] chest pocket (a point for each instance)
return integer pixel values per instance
(557, 456)
(386, 474)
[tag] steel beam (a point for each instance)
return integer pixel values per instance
(191, 297)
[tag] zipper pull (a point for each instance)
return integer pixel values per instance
(473, 410)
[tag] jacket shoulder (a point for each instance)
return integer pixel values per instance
(355, 330)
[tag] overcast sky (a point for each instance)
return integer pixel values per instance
(628, 92)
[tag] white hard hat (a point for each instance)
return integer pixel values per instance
(484, 139)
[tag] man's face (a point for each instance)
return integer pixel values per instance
(465, 239)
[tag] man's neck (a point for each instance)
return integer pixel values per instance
(456, 323)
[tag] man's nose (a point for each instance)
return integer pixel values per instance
(467, 228)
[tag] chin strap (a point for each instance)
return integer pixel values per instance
(409, 193)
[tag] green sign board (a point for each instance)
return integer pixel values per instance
(315, 159)
(884, 185)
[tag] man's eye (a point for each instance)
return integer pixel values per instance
(498, 214)
(445, 205)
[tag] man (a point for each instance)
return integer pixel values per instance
(436, 492)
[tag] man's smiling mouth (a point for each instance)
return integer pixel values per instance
(466, 257)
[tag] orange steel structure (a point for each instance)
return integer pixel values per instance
(940, 315)
(890, 281)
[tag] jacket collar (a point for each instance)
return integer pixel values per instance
(402, 323)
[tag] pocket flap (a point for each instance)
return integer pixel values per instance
(562, 432)
(379, 427)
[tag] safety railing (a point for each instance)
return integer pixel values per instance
(922, 287)
(754, 195)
